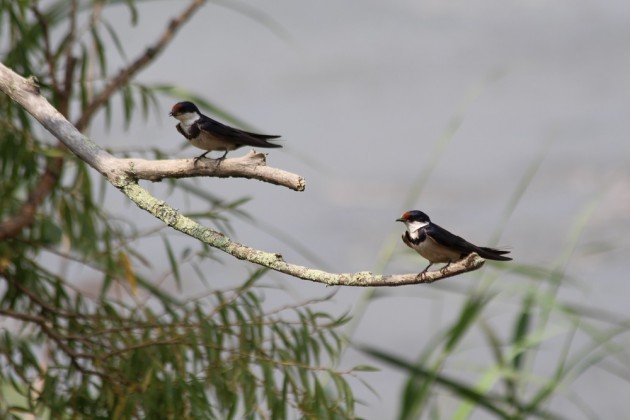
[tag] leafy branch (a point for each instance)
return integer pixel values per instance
(224, 353)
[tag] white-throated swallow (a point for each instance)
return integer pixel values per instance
(438, 245)
(207, 134)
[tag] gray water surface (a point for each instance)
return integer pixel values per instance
(362, 91)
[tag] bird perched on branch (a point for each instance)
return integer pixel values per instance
(207, 134)
(438, 245)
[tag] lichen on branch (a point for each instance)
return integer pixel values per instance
(124, 174)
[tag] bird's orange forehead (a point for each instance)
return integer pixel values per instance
(406, 215)
(176, 108)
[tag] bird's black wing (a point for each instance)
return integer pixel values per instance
(459, 244)
(498, 251)
(261, 136)
(234, 135)
(447, 239)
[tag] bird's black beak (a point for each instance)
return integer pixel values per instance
(400, 219)
(170, 114)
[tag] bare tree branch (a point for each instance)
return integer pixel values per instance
(124, 178)
(253, 166)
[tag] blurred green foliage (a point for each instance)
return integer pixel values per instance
(226, 354)
(128, 348)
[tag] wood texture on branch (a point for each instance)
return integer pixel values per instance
(119, 170)
(253, 165)
(275, 261)
(119, 173)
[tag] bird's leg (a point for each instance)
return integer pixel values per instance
(203, 155)
(423, 271)
(443, 269)
(222, 158)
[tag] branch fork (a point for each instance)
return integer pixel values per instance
(124, 173)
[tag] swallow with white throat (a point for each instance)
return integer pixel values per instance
(438, 245)
(207, 134)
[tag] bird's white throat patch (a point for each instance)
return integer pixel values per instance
(414, 226)
(187, 119)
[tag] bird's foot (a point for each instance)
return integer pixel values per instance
(196, 159)
(221, 159)
(421, 275)
(443, 269)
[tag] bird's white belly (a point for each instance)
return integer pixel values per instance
(206, 141)
(435, 252)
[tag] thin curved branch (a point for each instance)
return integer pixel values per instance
(274, 261)
(138, 64)
(117, 172)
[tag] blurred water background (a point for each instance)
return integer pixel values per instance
(368, 95)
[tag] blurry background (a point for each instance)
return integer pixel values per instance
(507, 122)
